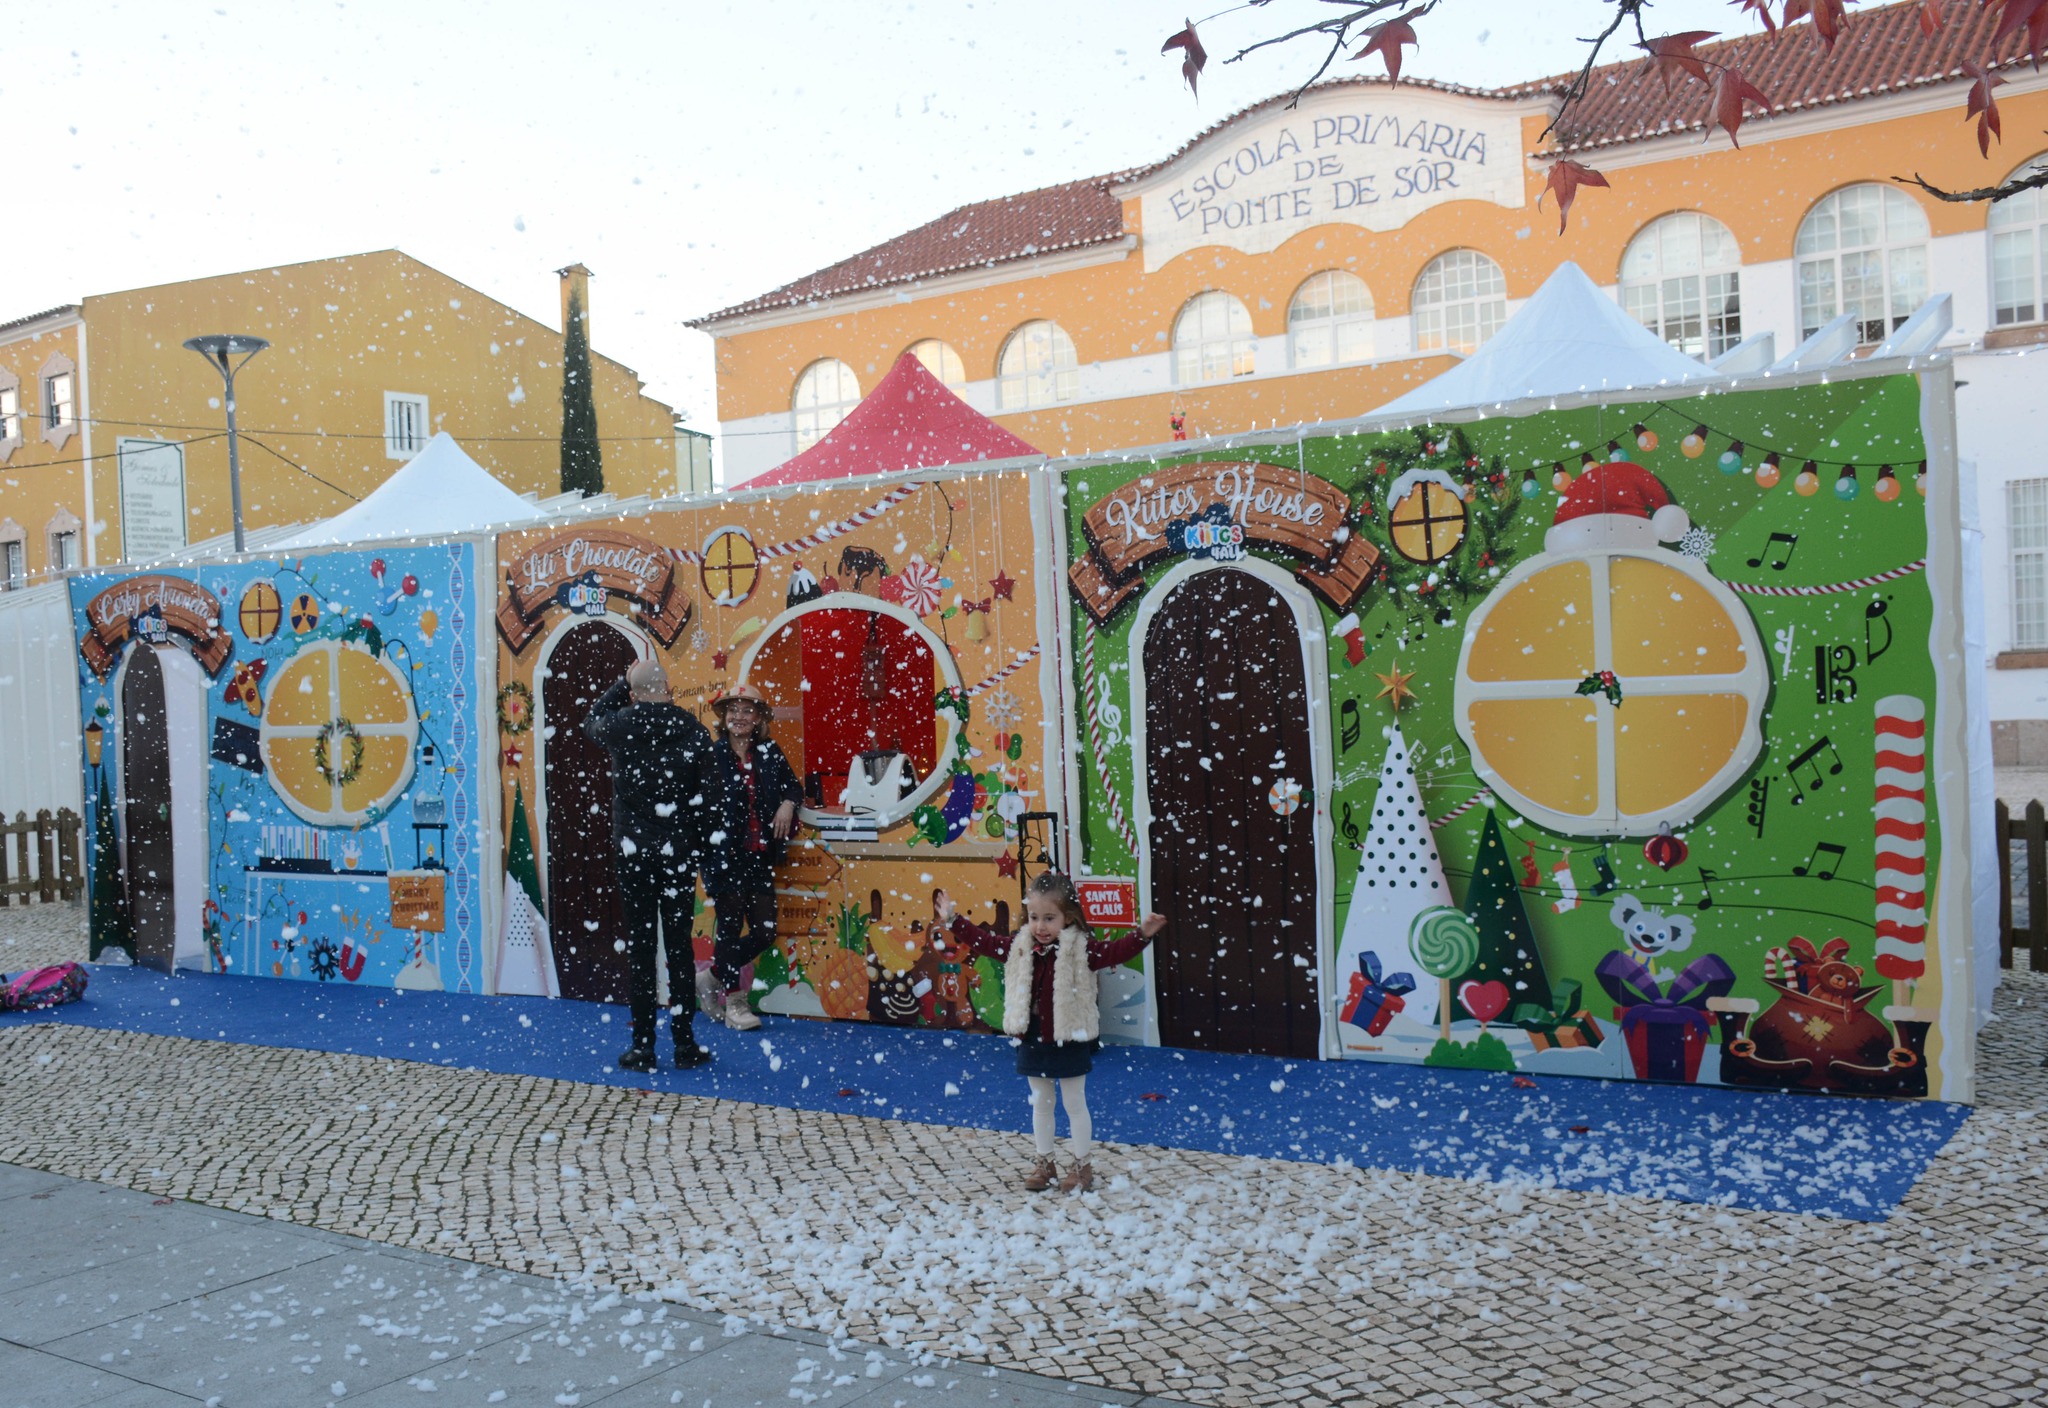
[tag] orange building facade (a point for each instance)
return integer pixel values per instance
(1297, 265)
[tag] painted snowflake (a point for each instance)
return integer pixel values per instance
(1697, 542)
(700, 640)
(1000, 708)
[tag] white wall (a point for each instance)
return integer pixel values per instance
(2002, 415)
(40, 752)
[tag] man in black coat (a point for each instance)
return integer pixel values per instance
(660, 754)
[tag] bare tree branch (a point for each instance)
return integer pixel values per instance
(2031, 182)
(1624, 10)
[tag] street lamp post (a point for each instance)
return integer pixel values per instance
(217, 348)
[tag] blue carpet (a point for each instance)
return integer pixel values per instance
(1834, 1157)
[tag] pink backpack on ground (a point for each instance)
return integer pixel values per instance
(43, 987)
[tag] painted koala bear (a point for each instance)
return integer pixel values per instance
(1651, 933)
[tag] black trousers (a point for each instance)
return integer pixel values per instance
(656, 891)
(753, 911)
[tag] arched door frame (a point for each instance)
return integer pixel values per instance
(643, 648)
(1315, 673)
(190, 848)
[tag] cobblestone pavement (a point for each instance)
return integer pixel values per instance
(1204, 1277)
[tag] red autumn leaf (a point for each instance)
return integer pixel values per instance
(1387, 40)
(1763, 12)
(1731, 91)
(1930, 16)
(1983, 106)
(1194, 58)
(1582, 1129)
(1524, 1083)
(1830, 18)
(1565, 179)
(1674, 52)
(2030, 15)
(1151, 1095)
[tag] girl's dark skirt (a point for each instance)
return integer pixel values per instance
(1054, 1060)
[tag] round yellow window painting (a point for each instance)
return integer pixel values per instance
(337, 734)
(1606, 693)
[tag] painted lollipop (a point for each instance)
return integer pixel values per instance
(1446, 944)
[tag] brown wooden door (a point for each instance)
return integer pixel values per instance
(1226, 717)
(584, 919)
(146, 810)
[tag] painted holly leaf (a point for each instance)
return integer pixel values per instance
(1194, 58)
(1830, 18)
(1387, 40)
(1674, 54)
(1565, 179)
(1983, 106)
(1731, 91)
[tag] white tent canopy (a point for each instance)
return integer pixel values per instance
(439, 490)
(1568, 338)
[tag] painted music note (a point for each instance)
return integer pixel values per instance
(1349, 725)
(1873, 615)
(1810, 758)
(1784, 636)
(1759, 799)
(1348, 828)
(1784, 555)
(1707, 879)
(1834, 674)
(1822, 870)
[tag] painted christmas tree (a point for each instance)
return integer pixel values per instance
(1507, 947)
(526, 963)
(107, 914)
(1399, 876)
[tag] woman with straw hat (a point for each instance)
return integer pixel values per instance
(750, 811)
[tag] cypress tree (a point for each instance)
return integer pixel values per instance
(582, 461)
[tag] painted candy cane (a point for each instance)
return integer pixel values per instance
(1780, 966)
(1901, 812)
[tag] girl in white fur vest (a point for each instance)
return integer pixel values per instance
(1049, 986)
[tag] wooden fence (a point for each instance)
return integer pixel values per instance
(52, 868)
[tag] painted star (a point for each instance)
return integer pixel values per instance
(1395, 686)
(1006, 866)
(1001, 585)
(718, 658)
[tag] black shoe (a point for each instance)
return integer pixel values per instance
(688, 1058)
(639, 1058)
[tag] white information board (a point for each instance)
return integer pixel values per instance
(152, 498)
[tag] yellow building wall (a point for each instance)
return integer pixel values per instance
(1114, 310)
(40, 481)
(342, 333)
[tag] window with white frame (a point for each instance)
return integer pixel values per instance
(941, 361)
(1212, 339)
(2026, 505)
(1862, 250)
(62, 535)
(57, 406)
(14, 560)
(405, 425)
(1460, 301)
(1329, 320)
(826, 391)
(1037, 367)
(56, 402)
(2018, 227)
(1681, 279)
(10, 414)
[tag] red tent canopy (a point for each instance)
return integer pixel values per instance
(909, 421)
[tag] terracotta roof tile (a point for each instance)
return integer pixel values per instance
(60, 310)
(1882, 51)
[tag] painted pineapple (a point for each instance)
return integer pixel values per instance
(833, 963)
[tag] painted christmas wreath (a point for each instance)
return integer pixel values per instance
(345, 733)
(515, 709)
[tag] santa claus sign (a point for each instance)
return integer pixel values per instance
(1610, 685)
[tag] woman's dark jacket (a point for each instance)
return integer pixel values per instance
(729, 864)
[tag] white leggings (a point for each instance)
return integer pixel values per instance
(1073, 1094)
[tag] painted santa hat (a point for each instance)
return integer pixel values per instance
(1615, 505)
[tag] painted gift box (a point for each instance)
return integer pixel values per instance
(1565, 1024)
(1373, 1000)
(1666, 1026)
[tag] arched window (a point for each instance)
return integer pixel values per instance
(1460, 301)
(941, 361)
(1212, 339)
(1862, 250)
(1037, 368)
(1329, 321)
(825, 392)
(2019, 253)
(1680, 279)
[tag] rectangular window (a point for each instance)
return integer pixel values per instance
(2026, 503)
(405, 425)
(63, 551)
(57, 401)
(2014, 281)
(10, 413)
(14, 562)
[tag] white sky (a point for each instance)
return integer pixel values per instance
(691, 154)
